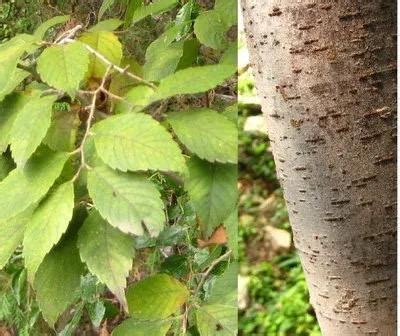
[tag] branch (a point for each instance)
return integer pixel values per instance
(112, 65)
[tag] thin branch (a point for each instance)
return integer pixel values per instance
(209, 269)
(114, 66)
(68, 34)
(92, 110)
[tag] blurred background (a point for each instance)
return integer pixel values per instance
(273, 296)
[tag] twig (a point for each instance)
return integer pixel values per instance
(210, 268)
(114, 66)
(92, 110)
(68, 34)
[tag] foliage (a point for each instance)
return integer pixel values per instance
(116, 175)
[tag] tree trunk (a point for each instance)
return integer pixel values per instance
(326, 73)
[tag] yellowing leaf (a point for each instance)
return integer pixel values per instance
(64, 66)
(156, 297)
(105, 43)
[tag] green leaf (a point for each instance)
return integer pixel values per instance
(157, 67)
(230, 55)
(224, 289)
(9, 109)
(229, 10)
(157, 7)
(45, 26)
(17, 77)
(210, 29)
(10, 52)
(212, 188)
(105, 43)
(156, 297)
(121, 82)
(217, 320)
(30, 127)
(48, 223)
(126, 200)
(62, 133)
(206, 133)
(133, 327)
(24, 187)
(136, 141)
(231, 112)
(133, 5)
(106, 25)
(57, 280)
(107, 252)
(194, 80)
(106, 5)
(12, 232)
(64, 66)
(135, 100)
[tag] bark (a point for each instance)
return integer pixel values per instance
(326, 73)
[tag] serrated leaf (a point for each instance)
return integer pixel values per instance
(62, 133)
(46, 226)
(135, 100)
(24, 187)
(17, 77)
(107, 252)
(9, 109)
(224, 289)
(64, 66)
(136, 141)
(57, 280)
(156, 297)
(194, 80)
(206, 133)
(108, 45)
(45, 26)
(12, 232)
(106, 25)
(213, 191)
(133, 327)
(217, 320)
(126, 200)
(106, 5)
(157, 7)
(30, 127)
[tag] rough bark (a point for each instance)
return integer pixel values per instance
(326, 73)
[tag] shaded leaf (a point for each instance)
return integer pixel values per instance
(126, 200)
(46, 226)
(107, 252)
(212, 188)
(106, 25)
(45, 26)
(206, 133)
(57, 280)
(24, 187)
(157, 7)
